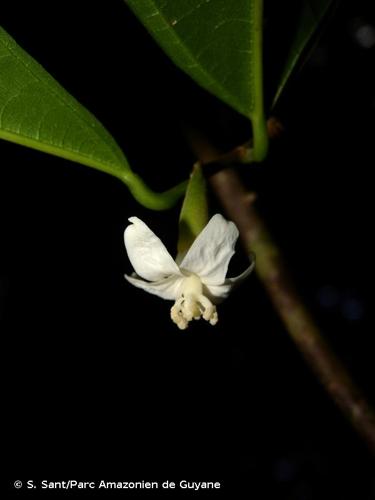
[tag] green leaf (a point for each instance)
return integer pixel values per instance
(310, 16)
(35, 111)
(194, 211)
(219, 44)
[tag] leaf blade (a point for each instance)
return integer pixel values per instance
(311, 14)
(35, 111)
(219, 45)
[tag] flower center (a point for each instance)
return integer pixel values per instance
(193, 304)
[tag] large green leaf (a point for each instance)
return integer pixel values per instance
(35, 111)
(218, 43)
(310, 15)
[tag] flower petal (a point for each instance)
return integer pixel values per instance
(217, 293)
(238, 279)
(209, 255)
(168, 288)
(149, 257)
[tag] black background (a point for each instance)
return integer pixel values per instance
(100, 384)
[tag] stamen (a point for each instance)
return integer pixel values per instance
(210, 313)
(193, 304)
(177, 316)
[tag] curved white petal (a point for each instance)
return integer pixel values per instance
(168, 288)
(149, 257)
(209, 255)
(238, 279)
(218, 293)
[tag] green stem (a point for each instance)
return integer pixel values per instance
(260, 136)
(151, 199)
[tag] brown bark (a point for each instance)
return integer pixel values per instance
(238, 203)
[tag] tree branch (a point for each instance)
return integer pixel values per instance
(270, 267)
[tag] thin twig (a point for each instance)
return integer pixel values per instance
(277, 281)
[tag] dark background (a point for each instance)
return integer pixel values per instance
(100, 383)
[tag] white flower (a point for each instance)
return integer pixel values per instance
(196, 281)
